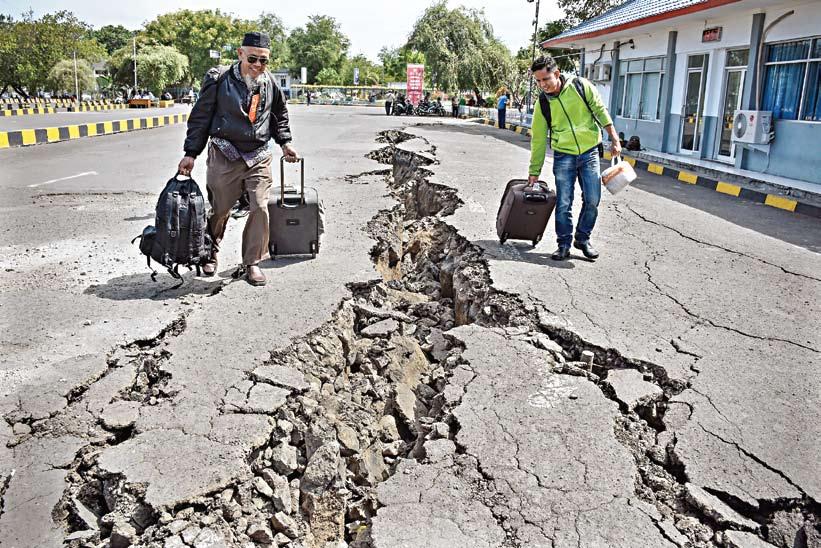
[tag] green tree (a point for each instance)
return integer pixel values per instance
(328, 76)
(370, 74)
(61, 76)
(273, 26)
(460, 49)
(395, 62)
(30, 47)
(320, 44)
(112, 37)
(194, 33)
(565, 58)
(157, 67)
(577, 11)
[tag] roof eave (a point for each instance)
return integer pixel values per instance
(560, 41)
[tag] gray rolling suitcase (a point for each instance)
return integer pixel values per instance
(524, 211)
(294, 218)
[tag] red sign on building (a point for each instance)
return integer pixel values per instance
(711, 35)
(416, 81)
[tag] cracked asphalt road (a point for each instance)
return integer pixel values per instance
(721, 296)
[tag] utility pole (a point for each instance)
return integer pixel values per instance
(76, 80)
(533, 55)
(135, 62)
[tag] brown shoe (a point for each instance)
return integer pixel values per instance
(254, 275)
(210, 268)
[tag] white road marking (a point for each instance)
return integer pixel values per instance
(83, 174)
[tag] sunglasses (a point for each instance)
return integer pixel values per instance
(252, 59)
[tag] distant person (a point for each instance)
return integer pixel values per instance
(454, 106)
(471, 102)
(390, 98)
(575, 137)
(308, 98)
(240, 109)
(501, 109)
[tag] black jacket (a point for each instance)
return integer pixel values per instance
(220, 111)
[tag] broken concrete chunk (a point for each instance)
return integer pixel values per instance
(382, 314)
(440, 346)
(263, 488)
(174, 542)
(284, 459)
(631, 388)
(283, 523)
(322, 470)
(348, 439)
(717, 510)
(85, 514)
(381, 329)
(405, 403)
(260, 533)
(439, 430)
(123, 535)
(21, 429)
(439, 450)
(388, 431)
(371, 466)
(209, 538)
(739, 539)
(278, 375)
(190, 534)
(80, 535)
(177, 526)
(120, 414)
(281, 496)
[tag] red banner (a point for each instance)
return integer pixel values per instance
(416, 81)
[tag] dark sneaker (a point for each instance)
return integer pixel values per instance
(587, 249)
(254, 275)
(561, 254)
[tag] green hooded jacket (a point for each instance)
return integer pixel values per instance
(574, 129)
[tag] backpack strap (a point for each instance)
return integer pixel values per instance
(544, 106)
(175, 215)
(580, 89)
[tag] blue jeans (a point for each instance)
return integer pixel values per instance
(502, 113)
(566, 169)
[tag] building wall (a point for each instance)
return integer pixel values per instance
(790, 154)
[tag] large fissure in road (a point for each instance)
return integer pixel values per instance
(350, 400)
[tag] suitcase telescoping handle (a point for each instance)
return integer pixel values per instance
(282, 182)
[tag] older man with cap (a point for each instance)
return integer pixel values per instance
(241, 109)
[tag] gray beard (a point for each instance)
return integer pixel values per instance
(254, 83)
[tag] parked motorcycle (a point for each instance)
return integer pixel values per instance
(427, 108)
(402, 106)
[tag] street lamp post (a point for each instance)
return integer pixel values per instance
(135, 62)
(76, 80)
(533, 54)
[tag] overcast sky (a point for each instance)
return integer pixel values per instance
(370, 24)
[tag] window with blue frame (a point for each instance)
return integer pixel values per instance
(792, 80)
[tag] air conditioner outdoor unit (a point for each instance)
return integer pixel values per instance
(753, 126)
(603, 72)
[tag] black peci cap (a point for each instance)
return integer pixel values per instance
(257, 40)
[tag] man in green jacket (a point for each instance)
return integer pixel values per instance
(574, 138)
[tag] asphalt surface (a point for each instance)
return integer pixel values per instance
(719, 294)
(58, 119)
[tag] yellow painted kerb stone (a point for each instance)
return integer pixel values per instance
(727, 188)
(4, 139)
(52, 134)
(108, 127)
(29, 137)
(73, 132)
(658, 169)
(780, 202)
(686, 177)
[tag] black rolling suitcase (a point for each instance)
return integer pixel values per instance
(295, 222)
(524, 211)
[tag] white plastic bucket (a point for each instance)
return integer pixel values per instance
(616, 177)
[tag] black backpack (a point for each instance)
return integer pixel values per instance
(544, 105)
(180, 232)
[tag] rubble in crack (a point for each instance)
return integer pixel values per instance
(348, 402)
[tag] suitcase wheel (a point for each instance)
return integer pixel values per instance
(503, 238)
(537, 240)
(272, 250)
(314, 249)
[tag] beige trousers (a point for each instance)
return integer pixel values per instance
(225, 182)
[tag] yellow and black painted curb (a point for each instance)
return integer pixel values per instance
(690, 178)
(96, 108)
(39, 136)
(27, 111)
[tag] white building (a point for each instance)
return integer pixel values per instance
(674, 72)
